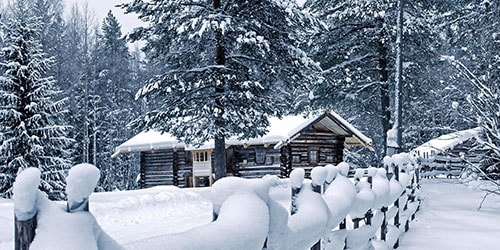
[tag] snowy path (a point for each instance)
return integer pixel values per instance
(449, 219)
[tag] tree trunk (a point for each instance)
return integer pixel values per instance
(220, 140)
(385, 100)
(399, 78)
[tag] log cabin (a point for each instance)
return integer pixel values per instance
(291, 142)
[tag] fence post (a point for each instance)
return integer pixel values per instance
(396, 203)
(296, 180)
(24, 233)
(318, 176)
(26, 192)
(81, 182)
(383, 228)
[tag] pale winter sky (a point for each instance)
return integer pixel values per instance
(101, 8)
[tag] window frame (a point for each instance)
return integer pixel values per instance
(314, 150)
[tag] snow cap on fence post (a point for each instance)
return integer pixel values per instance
(81, 182)
(358, 174)
(318, 177)
(297, 178)
(343, 168)
(25, 191)
(332, 172)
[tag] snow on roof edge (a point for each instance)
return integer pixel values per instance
(279, 131)
(368, 141)
(447, 141)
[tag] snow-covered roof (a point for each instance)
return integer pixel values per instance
(148, 141)
(279, 131)
(447, 141)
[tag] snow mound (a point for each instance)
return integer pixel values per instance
(339, 197)
(81, 180)
(226, 187)
(25, 193)
(318, 176)
(247, 209)
(365, 199)
(58, 229)
(297, 177)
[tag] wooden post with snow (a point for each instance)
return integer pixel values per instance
(81, 182)
(296, 180)
(25, 196)
(318, 178)
(396, 204)
(24, 232)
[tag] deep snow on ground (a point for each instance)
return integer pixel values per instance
(448, 218)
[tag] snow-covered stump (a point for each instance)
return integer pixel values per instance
(25, 198)
(81, 182)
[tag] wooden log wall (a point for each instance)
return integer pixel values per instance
(329, 148)
(163, 167)
(252, 168)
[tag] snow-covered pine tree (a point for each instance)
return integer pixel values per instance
(474, 37)
(78, 41)
(357, 50)
(354, 50)
(225, 67)
(114, 103)
(31, 134)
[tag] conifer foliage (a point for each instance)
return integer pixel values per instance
(31, 133)
(225, 66)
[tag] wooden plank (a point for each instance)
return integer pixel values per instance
(24, 233)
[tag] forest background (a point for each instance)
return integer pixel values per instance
(450, 78)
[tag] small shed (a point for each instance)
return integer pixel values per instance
(291, 142)
(450, 153)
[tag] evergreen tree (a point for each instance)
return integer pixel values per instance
(355, 50)
(31, 133)
(472, 33)
(112, 103)
(225, 67)
(77, 43)
(357, 54)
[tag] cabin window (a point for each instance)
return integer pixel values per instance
(296, 158)
(313, 155)
(260, 156)
(201, 156)
(269, 160)
(329, 158)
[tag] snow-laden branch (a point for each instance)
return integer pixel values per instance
(347, 62)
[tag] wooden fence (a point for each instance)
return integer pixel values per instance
(391, 194)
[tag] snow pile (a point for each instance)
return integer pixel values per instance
(308, 224)
(242, 220)
(365, 199)
(81, 181)
(25, 193)
(57, 229)
(226, 187)
(340, 196)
